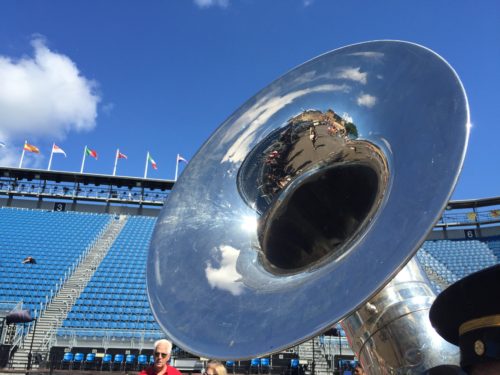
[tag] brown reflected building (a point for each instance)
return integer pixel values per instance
(335, 124)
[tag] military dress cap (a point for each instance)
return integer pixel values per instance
(467, 314)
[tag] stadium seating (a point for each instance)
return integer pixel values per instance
(113, 309)
(451, 260)
(114, 304)
(57, 241)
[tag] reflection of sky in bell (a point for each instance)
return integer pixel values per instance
(170, 72)
(310, 89)
(261, 113)
(224, 275)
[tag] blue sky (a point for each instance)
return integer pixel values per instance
(162, 75)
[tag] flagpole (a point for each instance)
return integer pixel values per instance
(116, 161)
(146, 167)
(22, 155)
(51, 154)
(83, 160)
(176, 167)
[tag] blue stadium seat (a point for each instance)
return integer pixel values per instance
(142, 361)
(254, 365)
(231, 366)
(89, 361)
(78, 359)
(129, 361)
(118, 360)
(106, 361)
(265, 366)
(67, 360)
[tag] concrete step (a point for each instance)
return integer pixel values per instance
(51, 318)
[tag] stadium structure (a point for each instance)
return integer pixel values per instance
(85, 286)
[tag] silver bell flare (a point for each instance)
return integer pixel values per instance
(307, 200)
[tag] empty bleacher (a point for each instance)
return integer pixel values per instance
(112, 313)
(451, 260)
(57, 241)
(114, 304)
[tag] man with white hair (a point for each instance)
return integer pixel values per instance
(162, 355)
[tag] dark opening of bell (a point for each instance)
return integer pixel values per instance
(320, 215)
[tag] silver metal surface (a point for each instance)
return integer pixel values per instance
(392, 334)
(307, 200)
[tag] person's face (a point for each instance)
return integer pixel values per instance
(358, 371)
(210, 371)
(161, 356)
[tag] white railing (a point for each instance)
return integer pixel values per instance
(106, 337)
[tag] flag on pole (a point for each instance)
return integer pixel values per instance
(87, 151)
(119, 155)
(149, 159)
(153, 163)
(180, 158)
(58, 150)
(90, 152)
(31, 148)
(55, 150)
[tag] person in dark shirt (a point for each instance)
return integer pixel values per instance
(467, 314)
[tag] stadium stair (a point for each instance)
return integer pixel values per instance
(313, 353)
(51, 319)
(428, 264)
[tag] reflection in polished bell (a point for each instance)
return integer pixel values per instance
(308, 200)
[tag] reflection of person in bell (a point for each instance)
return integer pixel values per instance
(467, 314)
(312, 136)
(358, 370)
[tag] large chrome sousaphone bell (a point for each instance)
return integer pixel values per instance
(306, 202)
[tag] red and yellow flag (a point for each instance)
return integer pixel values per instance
(31, 148)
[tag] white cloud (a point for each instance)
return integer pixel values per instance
(226, 277)
(366, 100)
(307, 2)
(44, 97)
(353, 74)
(212, 3)
(10, 155)
(369, 54)
(347, 117)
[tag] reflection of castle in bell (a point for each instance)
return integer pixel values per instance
(335, 124)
